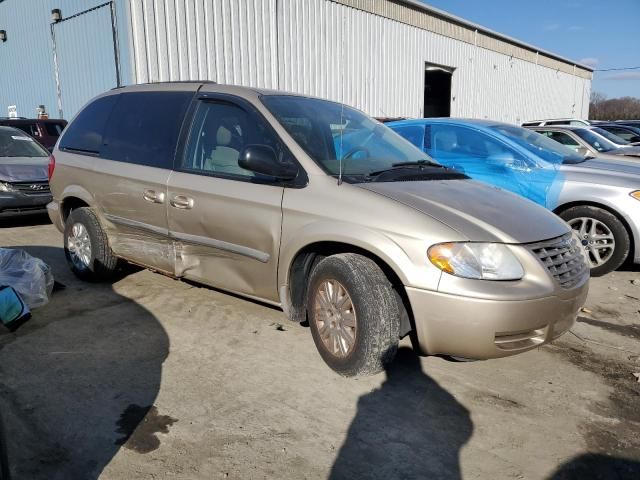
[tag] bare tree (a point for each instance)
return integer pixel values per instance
(624, 108)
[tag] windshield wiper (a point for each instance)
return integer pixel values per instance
(416, 164)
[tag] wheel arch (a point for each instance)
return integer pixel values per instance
(74, 197)
(293, 292)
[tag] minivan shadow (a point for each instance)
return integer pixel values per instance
(410, 427)
(597, 466)
(77, 379)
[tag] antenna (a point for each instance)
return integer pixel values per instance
(342, 67)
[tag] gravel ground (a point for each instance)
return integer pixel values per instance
(155, 378)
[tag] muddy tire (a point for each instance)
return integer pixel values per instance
(86, 247)
(354, 314)
(603, 235)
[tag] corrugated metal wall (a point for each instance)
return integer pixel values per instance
(26, 58)
(328, 49)
(230, 41)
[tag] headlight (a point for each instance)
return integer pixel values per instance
(635, 194)
(5, 187)
(482, 261)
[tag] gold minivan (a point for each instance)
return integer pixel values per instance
(312, 206)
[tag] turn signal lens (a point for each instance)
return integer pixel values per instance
(52, 165)
(481, 261)
(635, 194)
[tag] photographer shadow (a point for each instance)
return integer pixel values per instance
(409, 427)
(78, 379)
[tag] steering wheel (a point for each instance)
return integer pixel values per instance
(354, 150)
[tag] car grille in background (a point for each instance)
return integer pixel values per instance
(32, 188)
(563, 258)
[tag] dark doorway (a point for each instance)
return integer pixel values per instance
(437, 91)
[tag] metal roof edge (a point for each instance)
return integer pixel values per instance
(466, 23)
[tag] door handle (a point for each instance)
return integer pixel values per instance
(181, 201)
(153, 196)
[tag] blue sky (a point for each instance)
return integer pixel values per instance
(604, 34)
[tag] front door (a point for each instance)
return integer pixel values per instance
(224, 219)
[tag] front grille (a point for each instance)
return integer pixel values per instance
(32, 188)
(563, 258)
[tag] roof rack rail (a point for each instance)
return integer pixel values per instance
(14, 118)
(168, 81)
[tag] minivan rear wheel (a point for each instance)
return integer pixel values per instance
(354, 314)
(603, 236)
(86, 247)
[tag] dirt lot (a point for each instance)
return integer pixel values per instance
(156, 378)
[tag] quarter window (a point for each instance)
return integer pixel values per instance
(84, 134)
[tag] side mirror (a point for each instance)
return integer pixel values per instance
(584, 151)
(263, 159)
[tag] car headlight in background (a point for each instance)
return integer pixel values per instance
(5, 187)
(635, 194)
(481, 261)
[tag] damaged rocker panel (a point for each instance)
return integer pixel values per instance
(194, 239)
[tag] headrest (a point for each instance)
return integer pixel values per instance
(223, 136)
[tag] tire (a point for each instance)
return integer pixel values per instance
(96, 264)
(611, 258)
(375, 314)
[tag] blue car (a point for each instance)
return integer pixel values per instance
(507, 156)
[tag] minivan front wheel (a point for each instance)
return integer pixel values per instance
(603, 236)
(86, 247)
(354, 314)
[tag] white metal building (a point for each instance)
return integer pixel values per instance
(388, 57)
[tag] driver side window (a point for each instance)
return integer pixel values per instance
(219, 133)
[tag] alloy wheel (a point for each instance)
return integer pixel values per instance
(597, 239)
(335, 318)
(79, 246)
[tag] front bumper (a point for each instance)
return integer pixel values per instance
(53, 209)
(480, 329)
(13, 203)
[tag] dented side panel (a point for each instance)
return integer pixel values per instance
(230, 236)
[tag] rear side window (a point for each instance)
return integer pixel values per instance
(84, 134)
(29, 128)
(144, 128)
(413, 133)
(53, 129)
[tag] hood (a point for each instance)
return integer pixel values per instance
(24, 169)
(630, 150)
(479, 212)
(616, 164)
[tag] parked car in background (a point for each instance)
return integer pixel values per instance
(557, 121)
(631, 123)
(45, 131)
(368, 245)
(630, 134)
(24, 187)
(587, 141)
(612, 137)
(599, 199)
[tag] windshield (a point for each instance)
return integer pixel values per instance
(612, 137)
(329, 132)
(598, 142)
(14, 143)
(540, 145)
